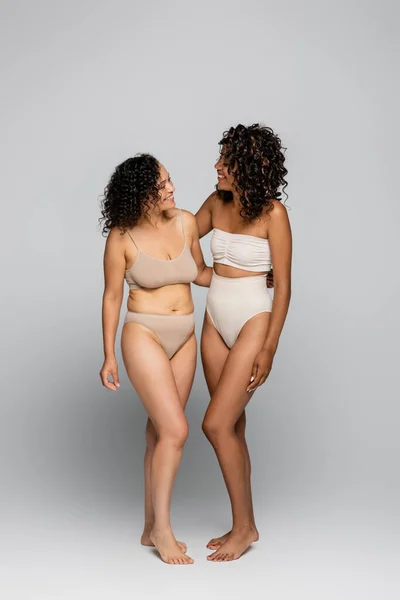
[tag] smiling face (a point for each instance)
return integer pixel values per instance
(226, 179)
(165, 190)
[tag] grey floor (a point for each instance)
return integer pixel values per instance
(308, 549)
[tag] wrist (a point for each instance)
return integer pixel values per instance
(270, 346)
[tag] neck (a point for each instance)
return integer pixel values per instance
(154, 219)
(236, 199)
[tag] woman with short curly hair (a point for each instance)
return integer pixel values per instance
(154, 247)
(242, 325)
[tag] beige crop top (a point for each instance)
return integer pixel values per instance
(149, 272)
(240, 250)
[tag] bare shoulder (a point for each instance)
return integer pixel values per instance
(188, 216)
(213, 200)
(189, 220)
(278, 213)
(116, 237)
(210, 202)
(279, 210)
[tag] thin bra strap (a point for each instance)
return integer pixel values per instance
(183, 226)
(135, 244)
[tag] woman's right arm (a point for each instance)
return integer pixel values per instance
(114, 270)
(204, 216)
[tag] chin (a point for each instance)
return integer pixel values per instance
(168, 205)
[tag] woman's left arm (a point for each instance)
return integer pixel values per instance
(280, 241)
(204, 273)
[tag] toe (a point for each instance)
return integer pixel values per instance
(210, 556)
(217, 556)
(182, 546)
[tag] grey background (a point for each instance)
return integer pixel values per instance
(85, 85)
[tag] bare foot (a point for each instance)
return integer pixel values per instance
(236, 544)
(215, 543)
(168, 548)
(146, 541)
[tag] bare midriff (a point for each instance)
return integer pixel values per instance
(227, 271)
(167, 300)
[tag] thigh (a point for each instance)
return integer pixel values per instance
(230, 396)
(183, 365)
(150, 373)
(214, 353)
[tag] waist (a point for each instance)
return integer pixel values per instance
(168, 300)
(135, 316)
(243, 279)
(231, 272)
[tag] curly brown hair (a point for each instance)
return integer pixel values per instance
(130, 192)
(255, 157)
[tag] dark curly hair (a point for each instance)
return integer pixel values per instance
(257, 155)
(131, 191)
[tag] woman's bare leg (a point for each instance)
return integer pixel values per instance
(220, 426)
(183, 366)
(152, 376)
(240, 430)
(214, 353)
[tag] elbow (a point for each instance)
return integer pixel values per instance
(112, 298)
(283, 288)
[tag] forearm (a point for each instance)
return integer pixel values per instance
(279, 312)
(204, 277)
(110, 319)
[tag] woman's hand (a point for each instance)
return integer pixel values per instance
(261, 369)
(270, 279)
(110, 369)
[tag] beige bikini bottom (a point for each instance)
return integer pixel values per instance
(172, 331)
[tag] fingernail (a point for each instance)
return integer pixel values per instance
(252, 379)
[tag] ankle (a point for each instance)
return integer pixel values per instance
(161, 529)
(244, 527)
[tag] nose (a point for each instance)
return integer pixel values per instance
(218, 164)
(170, 186)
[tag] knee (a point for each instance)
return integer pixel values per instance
(176, 434)
(214, 429)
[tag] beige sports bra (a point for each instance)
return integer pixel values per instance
(150, 273)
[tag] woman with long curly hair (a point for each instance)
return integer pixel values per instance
(155, 248)
(242, 325)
